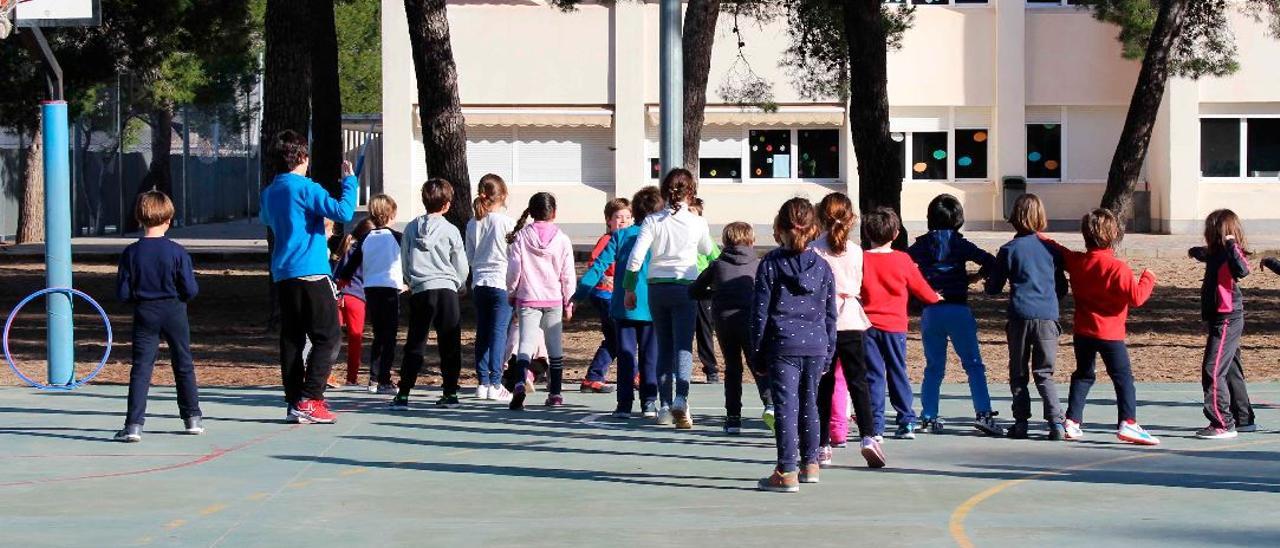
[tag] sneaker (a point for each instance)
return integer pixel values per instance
(733, 425)
(770, 420)
(1213, 433)
(839, 444)
(878, 437)
(1247, 428)
(554, 400)
(372, 388)
(713, 378)
(192, 426)
(333, 383)
(1073, 431)
(1018, 431)
(289, 417)
(388, 389)
(906, 431)
(399, 403)
(872, 451)
(809, 473)
(780, 482)
(650, 410)
(623, 411)
(448, 401)
(664, 417)
(986, 423)
(314, 412)
(530, 380)
(499, 393)
(482, 392)
(1057, 432)
(596, 387)
(824, 455)
(517, 398)
(680, 412)
(1130, 432)
(131, 433)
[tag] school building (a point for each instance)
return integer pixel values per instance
(980, 90)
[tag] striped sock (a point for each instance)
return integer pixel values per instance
(555, 375)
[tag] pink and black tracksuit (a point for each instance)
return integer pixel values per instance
(1226, 400)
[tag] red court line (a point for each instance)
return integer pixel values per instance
(207, 457)
(85, 456)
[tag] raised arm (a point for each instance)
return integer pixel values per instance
(1199, 253)
(1236, 261)
(1140, 290)
(1272, 264)
(318, 201)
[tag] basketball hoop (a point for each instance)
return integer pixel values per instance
(7, 8)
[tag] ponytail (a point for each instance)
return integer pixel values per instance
(835, 212)
(511, 238)
(678, 188)
(542, 207)
(490, 191)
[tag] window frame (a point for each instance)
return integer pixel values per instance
(794, 176)
(908, 142)
(951, 143)
(1064, 176)
(1243, 174)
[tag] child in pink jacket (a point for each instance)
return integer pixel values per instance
(541, 281)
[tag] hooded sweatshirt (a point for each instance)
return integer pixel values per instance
(795, 306)
(617, 253)
(729, 281)
(941, 256)
(540, 267)
(1220, 295)
(431, 255)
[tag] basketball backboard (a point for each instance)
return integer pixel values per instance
(58, 13)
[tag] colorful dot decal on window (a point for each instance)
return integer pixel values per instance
(759, 172)
(768, 148)
(733, 173)
(834, 148)
(1034, 156)
(805, 156)
(755, 147)
(939, 154)
(980, 137)
(897, 137)
(920, 167)
(1050, 126)
(964, 161)
(782, 148)
(768, 160)
(713, 173)
(1051, 164)
(762, 138)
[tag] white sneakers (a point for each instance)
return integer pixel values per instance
(497, 392)
(482, 392)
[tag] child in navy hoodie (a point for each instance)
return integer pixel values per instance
(156, 277)
(942, 254)
(1033, 270)
(793, 332)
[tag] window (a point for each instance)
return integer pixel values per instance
(655, 168)
(1263, 155)
(929, 155)
(1044, 151)
(971, 153)
(769, 153)
(1219, 147)
(1049, 3)
(819, 153)
(900, 148)
(1240, 147)
(719, 168)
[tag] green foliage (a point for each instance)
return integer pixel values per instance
(359, 27)
(1206, 46)
(817, 57)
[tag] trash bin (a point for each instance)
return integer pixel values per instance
(1014, 186)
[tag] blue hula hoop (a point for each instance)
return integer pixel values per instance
(106, 320)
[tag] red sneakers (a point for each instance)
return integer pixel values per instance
(314, 412)
(597, 387)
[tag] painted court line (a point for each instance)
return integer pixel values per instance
(956, 525)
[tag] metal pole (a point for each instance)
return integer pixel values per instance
(57, 229)
(671, 87)
(186, 151)
(119, 163)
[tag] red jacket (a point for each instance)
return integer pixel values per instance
(888, 279)
(1104, 289)
(605, 287)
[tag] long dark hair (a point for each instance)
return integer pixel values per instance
(542, 207)
(1220, 224)
(679, 188)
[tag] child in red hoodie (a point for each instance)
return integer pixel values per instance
(1104, 289)
(889, 277)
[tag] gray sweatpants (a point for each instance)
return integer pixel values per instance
(1033, 350)
(547, 324)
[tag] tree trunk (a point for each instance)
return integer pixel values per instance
(699, 37)
(326, 100)
(31, 204)
(159, 176)
(1148, 92)
(444, 132)
(286, 90)
(879, 171)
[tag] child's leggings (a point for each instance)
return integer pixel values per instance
(545, 324)
(1116, 358)
(733, 330)
(851, 362)
(351, 316)
(1226, 399)
(886, 354)
(637, 352)
(794, 386)
(382, 306)
(939, 323)
(153, 321)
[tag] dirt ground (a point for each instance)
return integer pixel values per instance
(232, 345)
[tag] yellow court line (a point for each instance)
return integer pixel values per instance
(213, 509)
(956, 525)
(175, 524)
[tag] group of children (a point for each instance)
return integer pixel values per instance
(818, 321)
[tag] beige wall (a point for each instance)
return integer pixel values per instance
(994, 62)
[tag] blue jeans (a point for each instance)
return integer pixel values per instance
(493, 317)
(886, 354)
(938, 323)
(637, 350)
(599, 367)
(674, 316)
(794, 386)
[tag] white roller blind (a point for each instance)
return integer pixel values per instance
(564, 155)
(489, 150)
(721, 142)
